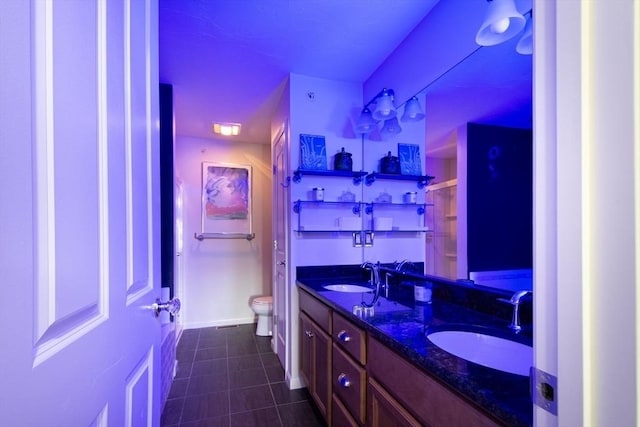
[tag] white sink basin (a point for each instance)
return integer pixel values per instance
(348, 288)
(486, 350)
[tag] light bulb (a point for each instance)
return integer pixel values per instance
(500, 26)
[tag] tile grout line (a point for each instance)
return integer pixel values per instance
(184, 398)
(264, 370)
(226, 347)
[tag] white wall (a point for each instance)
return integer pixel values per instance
(222, 275)
(329, 114)
(423, 55)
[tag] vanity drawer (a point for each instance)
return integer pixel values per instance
(340, 416)
(349, 383)
(316, 310)
(350, 338)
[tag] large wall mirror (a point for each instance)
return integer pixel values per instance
(482, 225)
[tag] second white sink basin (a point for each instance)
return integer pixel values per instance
(486, 350)
(348, 288)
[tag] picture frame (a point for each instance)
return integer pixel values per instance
(226, 198)
(410, 161)
(313, 152)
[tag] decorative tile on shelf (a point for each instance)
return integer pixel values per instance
(313, 152)
(410, 163)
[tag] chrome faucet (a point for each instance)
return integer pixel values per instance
(375, 273)
(400, 265)
(515, 302)
(375, 281)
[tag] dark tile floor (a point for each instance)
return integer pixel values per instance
(230, 377)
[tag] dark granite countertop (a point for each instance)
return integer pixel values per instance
(402, 324)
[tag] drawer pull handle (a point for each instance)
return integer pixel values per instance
(308, 333)
(344, 381)
(344, 336)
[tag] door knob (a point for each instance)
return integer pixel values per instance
(282, 263)
(172, 306)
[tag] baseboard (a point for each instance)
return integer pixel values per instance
(295, 382)
(214, 323)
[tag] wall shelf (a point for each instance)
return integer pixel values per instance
(356, 175)
(298, 205)
(421, 180)
(420, 207)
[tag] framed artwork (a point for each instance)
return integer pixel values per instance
(410, 162)
(313, 152)
(226, 198)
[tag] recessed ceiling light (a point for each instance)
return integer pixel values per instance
(227, 129)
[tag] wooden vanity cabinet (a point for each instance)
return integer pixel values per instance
(398, 389)
(355, 380)
(315, 345)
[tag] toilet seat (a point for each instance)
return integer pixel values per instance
(263, 300)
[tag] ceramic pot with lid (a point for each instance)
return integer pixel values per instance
(342, 161)
(389, 164)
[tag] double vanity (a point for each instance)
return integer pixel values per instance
(379, 358)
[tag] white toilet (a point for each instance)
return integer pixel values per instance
(263, 307)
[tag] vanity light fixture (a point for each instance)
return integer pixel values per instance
(385, 109)
(502, 21)
(365, 124)
(386, 112)
(525, 44)
(226, 129)
(391, 127)
(412, 111)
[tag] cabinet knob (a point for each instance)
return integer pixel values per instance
(308, 333)
(344, 336)
(344, 381)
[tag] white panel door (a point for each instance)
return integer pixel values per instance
(79, 232)
(281, 290)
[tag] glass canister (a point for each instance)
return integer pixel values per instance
(317, 194)
(410, 197)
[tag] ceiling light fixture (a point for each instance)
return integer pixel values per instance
(412, 111)
(226, 129)
(502, 21)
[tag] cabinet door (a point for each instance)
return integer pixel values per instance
(322, 374)
(384, 410)
(315, 362)
(306, 343)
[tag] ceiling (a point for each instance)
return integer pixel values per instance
(228, 60)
